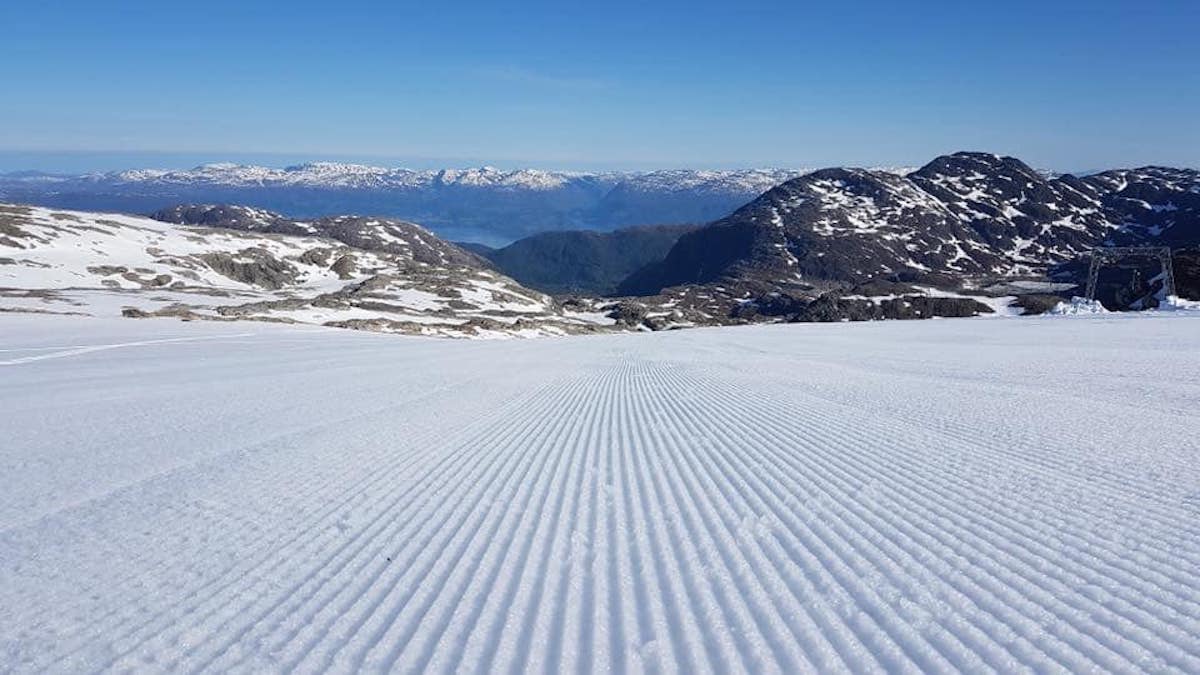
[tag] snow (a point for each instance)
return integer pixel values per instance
(1078, 305)
(888, 497)
(102, 264)
(330, 175)
(321, 315)
(358, 176)
(63, 249)
(1029, 286)
(1174, 303)
(597, 318)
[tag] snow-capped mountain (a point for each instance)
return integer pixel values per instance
(340, 175)
(349, 272)
(485, 204)
(337, 175)
(962, 216)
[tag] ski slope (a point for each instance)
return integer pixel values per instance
(933, 496)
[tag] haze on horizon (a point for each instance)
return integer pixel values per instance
(1073, 87)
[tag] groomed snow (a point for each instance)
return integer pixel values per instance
(893, 497)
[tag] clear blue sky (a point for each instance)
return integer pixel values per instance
(1065, 85)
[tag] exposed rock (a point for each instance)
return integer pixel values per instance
(829, 307)
(316, 256)
(772, 305)
(628, 313)
(1187, 273)
(1037, 303)
(386, 235)
(344, 267)
(881, 287)
(670, 321)
(107, 270)
(261, 269)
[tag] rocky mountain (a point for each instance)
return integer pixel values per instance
(963, 220)
(581, 261)
(485, 205)
(233, 263)
(1157, 204)
(384, 235)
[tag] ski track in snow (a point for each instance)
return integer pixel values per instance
(63, 352)
(938, 496)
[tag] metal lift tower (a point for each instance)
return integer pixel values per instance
(1112, 255)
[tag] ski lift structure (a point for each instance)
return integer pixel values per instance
(1115, 255)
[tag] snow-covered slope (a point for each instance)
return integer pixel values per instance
(888, 497)
(353, 272)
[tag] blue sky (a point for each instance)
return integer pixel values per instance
(1070, 86)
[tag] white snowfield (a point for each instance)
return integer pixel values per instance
(74, 262)
(937, 496)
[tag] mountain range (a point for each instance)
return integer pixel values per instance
(969, 233)
(485, 205)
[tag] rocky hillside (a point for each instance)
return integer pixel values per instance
(581, 261)
(383, 235)
(232, 263)
(962, 220)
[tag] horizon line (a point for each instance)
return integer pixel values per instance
(417, 163)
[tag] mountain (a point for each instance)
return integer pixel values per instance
(963, 219)
(384, 235)
(581, 261)
(486, 205)
(230, 263)
(475, 247)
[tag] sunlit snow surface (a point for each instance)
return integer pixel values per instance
(907, 496)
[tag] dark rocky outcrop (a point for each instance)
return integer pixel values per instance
(830, 307)
(1037, 303)
(1187, 272)
(251, 266)
(628, 313)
